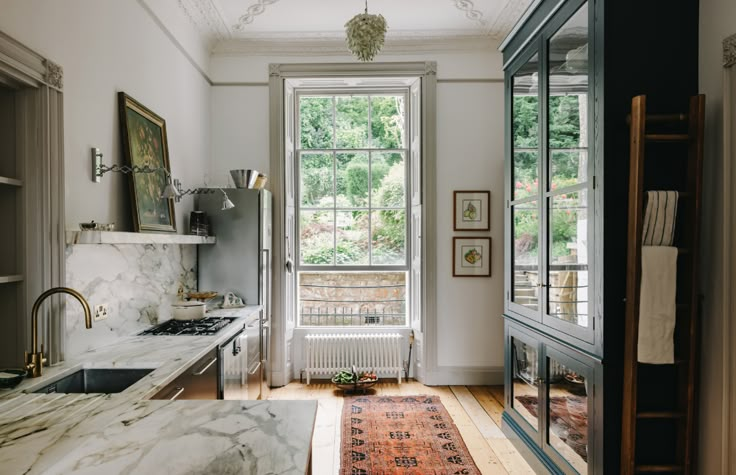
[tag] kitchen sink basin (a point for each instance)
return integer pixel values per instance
(96, 380)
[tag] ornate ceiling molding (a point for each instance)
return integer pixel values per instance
(729, 51)
(470, 12)
(252, 12)
(508, 17)
(207, 17)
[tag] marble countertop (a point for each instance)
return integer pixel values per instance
(128, 433)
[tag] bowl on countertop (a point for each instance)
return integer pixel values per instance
(10, 378)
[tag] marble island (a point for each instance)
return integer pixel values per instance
(128, 433)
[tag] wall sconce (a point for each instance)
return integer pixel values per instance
(173, 188)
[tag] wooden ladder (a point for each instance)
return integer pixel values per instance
(655, 383)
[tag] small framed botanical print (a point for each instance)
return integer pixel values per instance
(471, 257)
(472, 210)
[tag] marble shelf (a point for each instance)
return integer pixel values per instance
(115, 237)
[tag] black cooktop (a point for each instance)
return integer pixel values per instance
(205, 326)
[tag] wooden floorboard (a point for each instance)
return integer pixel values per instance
(476, 411)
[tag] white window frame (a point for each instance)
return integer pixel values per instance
(406, 151)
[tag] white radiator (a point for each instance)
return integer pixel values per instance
(330, 353)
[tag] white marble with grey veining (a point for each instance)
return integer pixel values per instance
(126, 433)
(138, 282)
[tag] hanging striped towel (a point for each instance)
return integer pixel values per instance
(660, 218)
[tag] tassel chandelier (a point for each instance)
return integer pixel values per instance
(366, 34)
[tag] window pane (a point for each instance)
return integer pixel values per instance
(526, 130)
(568, 258)
(387, 121)
(389, 237)
(568, 102)
(388, 172)
(316, 240)
(315, 120)
(351, 122)
(352, 238)
(316, 180)
(526, 255)
(525, 387)
(568, 414)
(352, 180)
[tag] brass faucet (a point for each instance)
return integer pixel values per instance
(35, 360)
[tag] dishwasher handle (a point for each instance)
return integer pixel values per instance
(205, 367)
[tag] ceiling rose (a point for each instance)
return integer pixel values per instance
(366, 34)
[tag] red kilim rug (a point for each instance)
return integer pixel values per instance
(401, 435)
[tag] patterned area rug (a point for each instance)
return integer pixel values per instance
(401, 435)
(569, 417)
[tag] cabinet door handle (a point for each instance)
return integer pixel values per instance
(205, 367)
(255, 369)
(175, 393)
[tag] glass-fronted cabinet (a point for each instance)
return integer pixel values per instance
(549, 398)
(550, 191)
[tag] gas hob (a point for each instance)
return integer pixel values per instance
(205, 326)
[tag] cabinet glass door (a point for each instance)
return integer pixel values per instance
(567, 194)
(525, 379)
(569, 421)
(525, 189)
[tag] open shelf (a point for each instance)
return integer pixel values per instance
(10, 181)
(7, 279)
(115, 237)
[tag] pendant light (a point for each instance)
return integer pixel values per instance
(366, 34)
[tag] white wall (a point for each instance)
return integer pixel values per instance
(717, 21)
(106, 46)
(469, 156)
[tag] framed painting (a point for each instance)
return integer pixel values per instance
(143, 137)
(472, 210)
(471, 257)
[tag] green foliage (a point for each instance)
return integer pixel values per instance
(315, 120)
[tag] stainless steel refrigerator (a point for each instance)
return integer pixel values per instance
(240, 261)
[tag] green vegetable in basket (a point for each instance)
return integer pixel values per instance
(343, 377)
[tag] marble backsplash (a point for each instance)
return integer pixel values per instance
(138, 282)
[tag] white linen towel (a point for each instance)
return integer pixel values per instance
(660, 217)
(657, 305)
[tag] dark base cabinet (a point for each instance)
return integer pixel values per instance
(571, 69)
(550, 401)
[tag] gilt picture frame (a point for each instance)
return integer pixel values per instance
(471, 256)
(471, 210)
(144, 144)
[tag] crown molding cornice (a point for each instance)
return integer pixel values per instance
(510, 15)
(206, 15)
(335, 46)
(729, 51)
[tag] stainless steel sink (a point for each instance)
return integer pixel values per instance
(96, 380)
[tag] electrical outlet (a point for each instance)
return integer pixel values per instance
(100, 312)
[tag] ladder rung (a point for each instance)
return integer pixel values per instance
(667, 137)
(658, 468)
(660, 415)
(661, 118)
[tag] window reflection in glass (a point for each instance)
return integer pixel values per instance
(568, 258)
(568, 102)
(526, 277)
(525, 173)
(525, 387)
(568, 414)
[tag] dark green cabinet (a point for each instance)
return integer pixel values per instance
(571, 69)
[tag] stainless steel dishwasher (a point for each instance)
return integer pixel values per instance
(233, 367)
